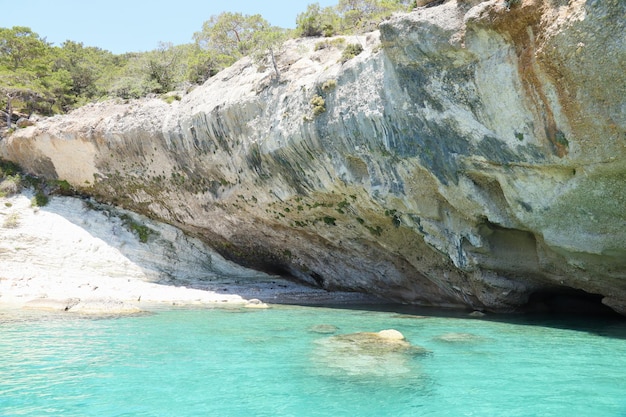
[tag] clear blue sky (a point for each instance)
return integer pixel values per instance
(136, 25)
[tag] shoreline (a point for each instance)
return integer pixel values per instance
(68, 256)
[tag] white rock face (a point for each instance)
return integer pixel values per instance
(66, 256)
(470, 156)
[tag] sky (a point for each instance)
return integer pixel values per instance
(137, 25)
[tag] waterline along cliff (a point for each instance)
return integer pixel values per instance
(472, 155)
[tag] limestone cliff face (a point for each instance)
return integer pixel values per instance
(472, 155)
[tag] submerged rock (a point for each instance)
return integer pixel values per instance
(386, 353)
(460, 338)
(323, 329)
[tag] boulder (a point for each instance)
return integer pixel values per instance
(256, 304)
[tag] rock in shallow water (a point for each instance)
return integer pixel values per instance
(323, 329)
(386, 353)
(256, 303)
(460, 338)
(391, 334)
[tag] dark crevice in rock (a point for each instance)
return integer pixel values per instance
(318, 279)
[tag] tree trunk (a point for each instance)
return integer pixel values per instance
(9, 111)
(275, 65)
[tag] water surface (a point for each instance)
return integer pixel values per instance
(215, 362)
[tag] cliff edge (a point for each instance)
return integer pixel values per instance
(472, 155)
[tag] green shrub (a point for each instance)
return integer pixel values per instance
(8, 168)
(329, 85)
(64, 185)
(329, 220)
(321, 45)
(61, 187)
(39, 200)
(32, 181)
(337, 43)
(143, 232)
(352, 50)
(319, 105)
(170, 98)
(317, 21)
(376, 231)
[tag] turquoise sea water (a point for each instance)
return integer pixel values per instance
(211, 362)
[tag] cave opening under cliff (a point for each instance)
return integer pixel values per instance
(567, 301)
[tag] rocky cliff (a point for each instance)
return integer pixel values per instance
(474, 154)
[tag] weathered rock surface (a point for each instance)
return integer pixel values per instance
(79, 256)
(472, 155)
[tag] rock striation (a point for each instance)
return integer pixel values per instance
(474, 154)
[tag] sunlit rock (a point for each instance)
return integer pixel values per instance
(256, 304)
(391, 335)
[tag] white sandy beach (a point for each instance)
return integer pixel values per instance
(68, 256)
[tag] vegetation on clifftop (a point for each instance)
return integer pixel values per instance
(39, 77)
